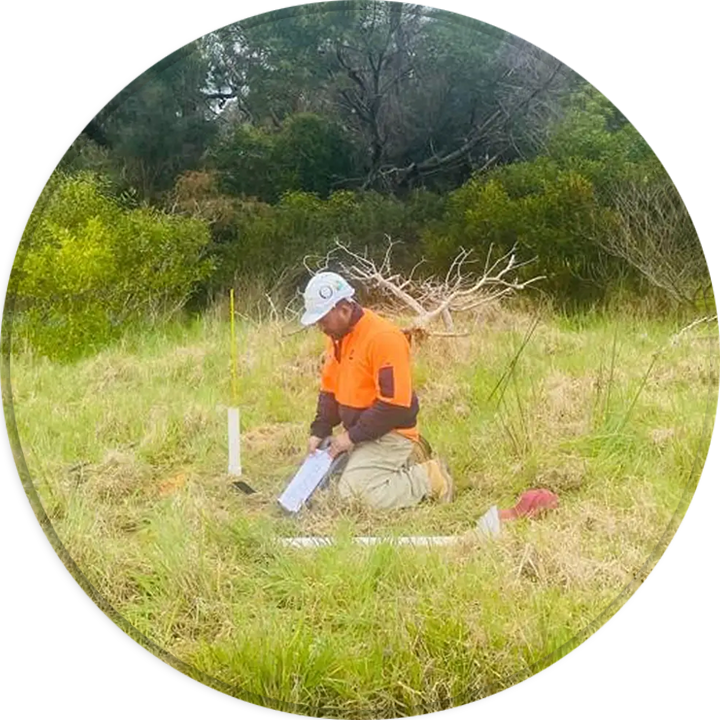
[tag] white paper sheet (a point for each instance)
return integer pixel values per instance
(306, 480)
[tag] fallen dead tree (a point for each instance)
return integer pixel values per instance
(432, 299)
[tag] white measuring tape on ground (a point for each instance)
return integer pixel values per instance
(418, 541)
(487, 526)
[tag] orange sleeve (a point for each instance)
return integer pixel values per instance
(390, 363)
(330, 370)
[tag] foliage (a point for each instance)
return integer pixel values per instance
(273, 238)
(652, 230)
(595, 139)
(87, 268)
(358, 121)
(197, 194)
(545, 211)
(309, 153)
(410, 85)
(86, 155)
(575, 210)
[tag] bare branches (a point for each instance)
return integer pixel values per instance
(430, 299)
(653, 232)
(499, 120)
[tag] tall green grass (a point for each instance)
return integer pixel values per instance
(128, 452)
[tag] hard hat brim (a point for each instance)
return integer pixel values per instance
(310, 318)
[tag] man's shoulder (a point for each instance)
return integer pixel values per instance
(376, 323)
(380, 328)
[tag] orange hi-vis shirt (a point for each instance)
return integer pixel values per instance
(366, 381)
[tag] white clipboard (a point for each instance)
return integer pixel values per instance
(306, 481)
(313, 473)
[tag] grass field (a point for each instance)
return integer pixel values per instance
(128, 453)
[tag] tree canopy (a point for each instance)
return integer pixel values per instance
(403, 96)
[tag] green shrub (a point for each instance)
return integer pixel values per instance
(308, 153)
(87, 268)
(594, 139)
(549, 213)
(270, 239)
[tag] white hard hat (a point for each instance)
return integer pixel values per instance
(322, 293)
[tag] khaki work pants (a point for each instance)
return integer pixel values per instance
(381, 474)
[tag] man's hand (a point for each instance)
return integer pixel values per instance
(313, 444)
(340, 443)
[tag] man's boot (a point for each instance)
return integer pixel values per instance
(421, 452)
(442, 487)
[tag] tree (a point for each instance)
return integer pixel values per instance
(308, 153)
(428, 96)
(530, 95)
(547, 212)
(88, 268)
(654, 233)
(595, 139)
(155, 129)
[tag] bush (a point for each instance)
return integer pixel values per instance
(594, 139)
(269, 240)
(549, 213)
(308, 153)
(87, 268)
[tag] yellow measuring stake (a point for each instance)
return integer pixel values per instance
(233, 350)
(234, 466)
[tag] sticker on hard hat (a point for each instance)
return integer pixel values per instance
(325, 292)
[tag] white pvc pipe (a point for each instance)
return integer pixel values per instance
(416, 541)
(234, 467)
(487, 526)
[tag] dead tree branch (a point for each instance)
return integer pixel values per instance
(653, 232)
(430, 299)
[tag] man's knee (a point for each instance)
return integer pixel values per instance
(373, 495)
(362, 486)
(354, 484)
(382, 490)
